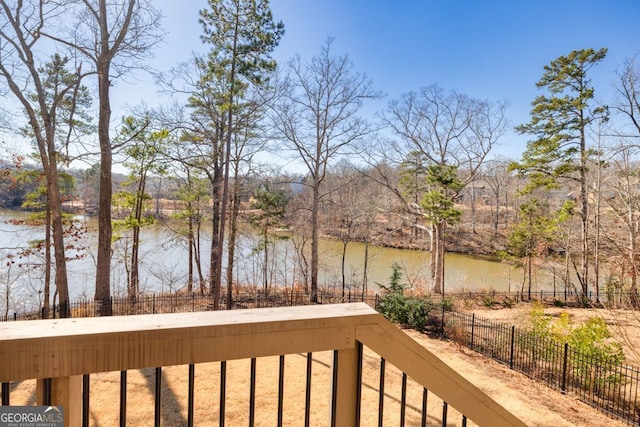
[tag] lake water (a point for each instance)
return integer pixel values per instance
(164, 265)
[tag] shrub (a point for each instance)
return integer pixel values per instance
(592, 352)
(447, 304)
(508, 303)
(489, 301)
(408, 311)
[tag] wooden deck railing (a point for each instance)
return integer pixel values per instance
(60, 353)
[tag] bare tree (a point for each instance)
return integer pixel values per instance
(113, 36)
(498, 178)
(451, 130)
(628, 102)
(51, 98)
(623, 200)
(318, 117)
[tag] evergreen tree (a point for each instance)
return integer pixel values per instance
(530, 237)
(559, 123)
(439, 207)
(413, 185)
(242, 35)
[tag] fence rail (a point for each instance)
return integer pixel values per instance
(183, 303)
(610, 387)
(281, 297)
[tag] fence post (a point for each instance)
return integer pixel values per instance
(564, 368)
(66, 392)
(345, 383)
(442, 321)
(473, 326)
(513, 341)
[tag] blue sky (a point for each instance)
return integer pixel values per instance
(485, 49)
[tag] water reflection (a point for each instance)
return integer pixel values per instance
(164, 265)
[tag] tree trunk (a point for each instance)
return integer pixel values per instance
(216, 190)
(47, 263)
(265, 266)
(103, 265)
(215, 247)
(344, 256)
(584, 216)
(58, 239)
(596, 249)
(438, 260)
(366, 265)
(473, 208)
(197, 255)
(134, 278)
(496, 218)
(233, 232)
(314, 241)
(529, 274)
(191, 243)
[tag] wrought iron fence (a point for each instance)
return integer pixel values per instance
(610, 387)
(183, 303)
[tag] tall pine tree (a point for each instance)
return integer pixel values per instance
(242, 35)
(559, 122)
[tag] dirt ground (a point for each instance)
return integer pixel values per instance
(534, 403)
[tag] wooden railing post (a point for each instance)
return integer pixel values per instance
(344, 397)
(65, 392)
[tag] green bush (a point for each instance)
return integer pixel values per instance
(489, 301)
(447, 303)
(592, 350)
(508, 303)
(408, 311)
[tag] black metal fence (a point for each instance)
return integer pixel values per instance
(182, 303)
(610, 387)
(248, 297)
(610, 298)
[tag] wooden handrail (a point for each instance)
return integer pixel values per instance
(432, 373)
(65, 347)
(68, 348)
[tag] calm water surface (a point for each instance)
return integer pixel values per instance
(164, 265)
